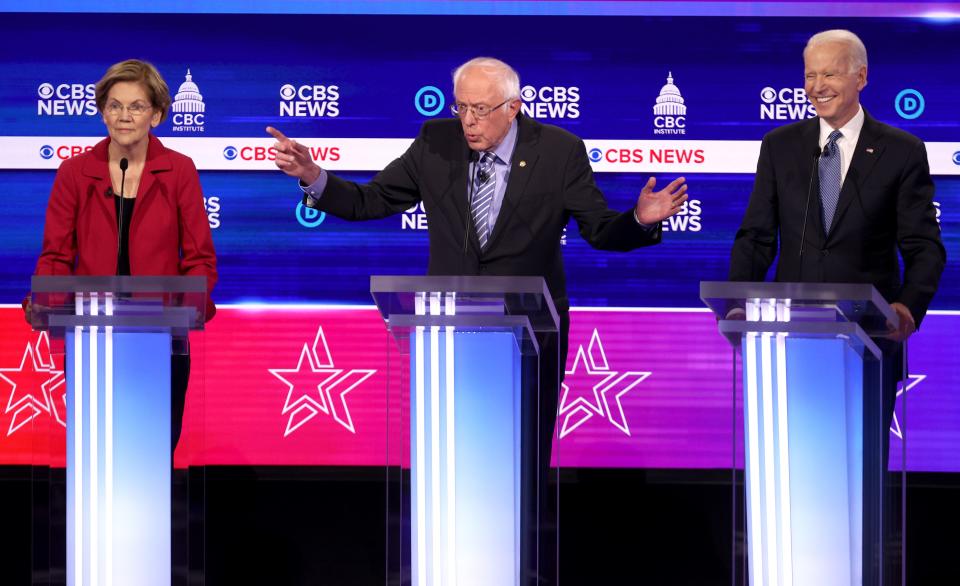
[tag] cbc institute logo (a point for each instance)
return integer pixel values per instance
(670, 111)
(189, 111)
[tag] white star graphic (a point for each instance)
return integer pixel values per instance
(32, 386)
(914, 381)
(577, 411)
(311, 391)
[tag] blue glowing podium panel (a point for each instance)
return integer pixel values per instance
(467, 338)
(814, 429)
(119, 333)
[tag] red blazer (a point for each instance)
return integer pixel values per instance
(169, 232)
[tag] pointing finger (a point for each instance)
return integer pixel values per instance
(276, 134)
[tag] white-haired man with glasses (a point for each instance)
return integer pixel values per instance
(498, 189)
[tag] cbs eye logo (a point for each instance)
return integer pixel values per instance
(230, 153)
(45, 90)
(288, 92)
(46, 151)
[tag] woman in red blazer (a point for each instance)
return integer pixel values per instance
(161, 216)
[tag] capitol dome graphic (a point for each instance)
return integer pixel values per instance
(188, 98)
(670, 102)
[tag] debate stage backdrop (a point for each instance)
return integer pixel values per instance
(293, 368)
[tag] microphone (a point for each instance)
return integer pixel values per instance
(474, 158)
(817, 153)
(124, 163)
(482, 175)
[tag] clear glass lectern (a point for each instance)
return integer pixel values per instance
(119, 334)
(823, 505)
(473, 509)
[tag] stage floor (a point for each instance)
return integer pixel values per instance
(293, 526)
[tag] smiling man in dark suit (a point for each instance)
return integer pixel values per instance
(875, 194)
(841, 194)
(498, 189)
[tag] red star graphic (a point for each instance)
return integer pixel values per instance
(305, 397)
(317, 386)
(31, 386)
(345, 384)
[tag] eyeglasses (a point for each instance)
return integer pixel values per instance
(135, 109)
(480, 111)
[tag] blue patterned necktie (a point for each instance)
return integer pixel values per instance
(486, 184)
(829, 170)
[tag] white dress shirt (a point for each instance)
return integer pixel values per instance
(848, 143)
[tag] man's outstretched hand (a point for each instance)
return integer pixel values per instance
(294, 158)
(653, 207)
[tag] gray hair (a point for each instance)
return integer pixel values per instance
(505, 76)
(856, 51)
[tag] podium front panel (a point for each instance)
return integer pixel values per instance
(468, 431)
(816, 402)
(119, 334)
(118, 458)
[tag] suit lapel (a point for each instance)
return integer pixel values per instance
(521, 168)
(96, 169)
(865, 156)
(158, 162)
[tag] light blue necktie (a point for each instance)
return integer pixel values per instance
(486, 185)
(829, 169)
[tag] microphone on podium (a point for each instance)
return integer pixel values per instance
(817, 153)
(124, 163)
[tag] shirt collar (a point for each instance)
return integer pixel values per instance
(849, 130)
(504, 150)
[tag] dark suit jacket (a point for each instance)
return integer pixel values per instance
(886, 205)
(550, 181)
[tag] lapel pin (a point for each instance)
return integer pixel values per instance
(523, 163)
(870, 150)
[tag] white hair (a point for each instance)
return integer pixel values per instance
(856, 51)
(505, 76)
